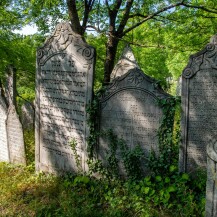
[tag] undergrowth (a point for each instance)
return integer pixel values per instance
(24, 193)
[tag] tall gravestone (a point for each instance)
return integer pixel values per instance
(126, 62)
(4, 151)
(198, 122)
(15, 137)
(64, 85)
(129, 107)
(14, 128)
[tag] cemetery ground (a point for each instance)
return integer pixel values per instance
(25, 193)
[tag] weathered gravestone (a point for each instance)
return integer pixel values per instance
(4, 152)
(126, 62)
(199, 108)
(211, 184)
(129, 107)
(10, 87)
(15, 137)
(64, 85)
(28, 115)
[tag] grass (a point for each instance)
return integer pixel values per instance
(25, 193)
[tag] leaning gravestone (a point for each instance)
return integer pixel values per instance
(126, 62)
(4, 152)
(28, 115)
(64, 86)
(10, 87)
(129, 107)
(15, 137)
(199, 91)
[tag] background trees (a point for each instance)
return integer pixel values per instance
(161, 33)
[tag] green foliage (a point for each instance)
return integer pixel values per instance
(160, 163)
(24, 193)
(29, 141)
(73, 145)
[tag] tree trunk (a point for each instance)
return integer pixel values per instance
(111, 49)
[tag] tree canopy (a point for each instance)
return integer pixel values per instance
(162, 33)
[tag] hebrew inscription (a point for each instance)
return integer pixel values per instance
(64, 88)
(199, 108)
(4, 152)
(15, 137)
(129, 107)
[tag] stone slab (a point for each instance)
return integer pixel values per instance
(64, 86)
(4, 151)
(28, 116)
(126, 62)
(15, 137)
(129, 107)
(199, 108)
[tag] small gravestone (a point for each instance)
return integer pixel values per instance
(15, 137)
(211, 184)
(129, 107)
(179, 86)
(199, 111)
(4, 152)
(126, 62)
(64, 85)
(28, 115)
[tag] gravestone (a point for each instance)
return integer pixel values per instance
(15, 137)
(129, 107)
(211, 184)
(199, 108)
(4, 152)
(126, 62)
(64, 86)
(10, 87)
(179, 86)
(28, 115)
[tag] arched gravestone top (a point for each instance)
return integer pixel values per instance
(126, 62)
(4, 152)
(15, 137)
(199, 103)
(64, 86)
(129, 107)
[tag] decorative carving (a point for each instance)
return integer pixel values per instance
(61, 39)
(135, 78)
(201, 60)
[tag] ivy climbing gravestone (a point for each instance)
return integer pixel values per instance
(64, 85)
(199, 107)
(129, 108)
(4, 152)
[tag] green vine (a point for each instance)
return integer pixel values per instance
(73, 145)
(168, 138)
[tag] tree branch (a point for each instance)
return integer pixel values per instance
(87, 9)
(200, 7)
(125, 17)
(73, 15)
(150, 17)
